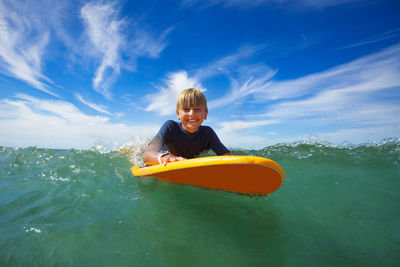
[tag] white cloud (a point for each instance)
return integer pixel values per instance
(29, 121)
(96, 107)
(163, 102)
(239, 134)
(244, 141)
(235, 134)
(349, 107)
(23, 40)
(233, 126)
(108, 34)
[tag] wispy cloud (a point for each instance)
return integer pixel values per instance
(318, 4)
(108, 35)
(104, 30)
(249, 81)
(29, 121)
(228, 64)
(293, 4)
(99, 108)
(227, 3)
(374, 39)
(23, 40)
(244, 79)
(370, 73)
(362, 94)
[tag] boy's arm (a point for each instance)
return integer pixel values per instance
(216, 144)
(152, 154)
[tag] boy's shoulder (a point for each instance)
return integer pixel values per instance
(170, 123)
(206, 129)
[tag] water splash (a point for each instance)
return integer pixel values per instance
(135, 149)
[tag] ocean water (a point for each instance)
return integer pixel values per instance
(338, 206)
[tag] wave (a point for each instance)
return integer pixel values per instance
(135, 148)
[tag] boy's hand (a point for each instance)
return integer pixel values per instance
(170, 158)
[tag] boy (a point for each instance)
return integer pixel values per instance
(187, 139)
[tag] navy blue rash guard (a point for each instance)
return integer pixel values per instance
(176, 140)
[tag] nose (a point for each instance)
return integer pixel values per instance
(191, 111)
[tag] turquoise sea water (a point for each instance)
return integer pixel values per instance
(339, 206)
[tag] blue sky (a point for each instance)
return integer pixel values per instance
(75, 73)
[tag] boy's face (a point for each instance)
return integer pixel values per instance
(192, 117)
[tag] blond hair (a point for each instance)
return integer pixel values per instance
(191, 97)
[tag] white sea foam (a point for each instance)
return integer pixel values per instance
(32, 229)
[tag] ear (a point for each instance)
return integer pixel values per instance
(177, 114)
(205, 115)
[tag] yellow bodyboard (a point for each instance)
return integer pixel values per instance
(240, 174)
